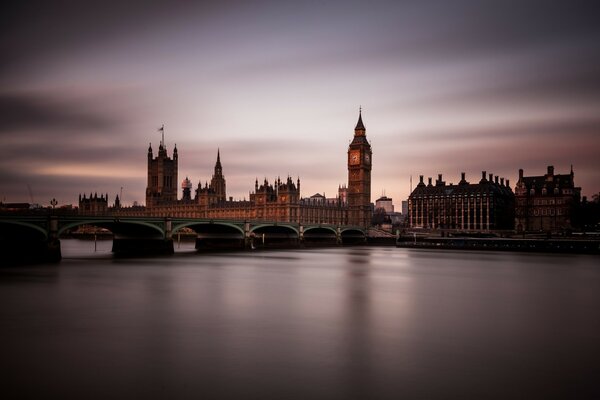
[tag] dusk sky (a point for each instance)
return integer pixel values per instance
(445, 86)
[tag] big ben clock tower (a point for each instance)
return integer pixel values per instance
(359, 177)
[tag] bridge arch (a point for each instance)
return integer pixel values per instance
(275, 227)
(274, 235)
(320, 228)
(352, 235)
(192, 224)
(214, 234)
(320, 235)
(114, 225)
(36, 229)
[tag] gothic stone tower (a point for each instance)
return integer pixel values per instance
(359, 177)
(162, 177)
(217, 183)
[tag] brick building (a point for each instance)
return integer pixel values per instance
(545, 202)
(484, 206)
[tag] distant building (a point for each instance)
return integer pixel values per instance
(383, 214)
(15, 206)
(545, 202)
(93, 205)
(385, 203)
(404, 207)
(484, 206)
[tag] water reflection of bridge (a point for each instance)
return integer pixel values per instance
(38, 236)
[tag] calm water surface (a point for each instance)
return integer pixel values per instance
(339, 323)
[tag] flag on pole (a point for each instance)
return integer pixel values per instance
(162, 131)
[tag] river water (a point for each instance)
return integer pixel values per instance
(334, 323)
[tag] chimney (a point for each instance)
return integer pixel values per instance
(462, 176)
(420, 178)
(496, 179)
(440, 182)
(502, 181)
(507, 183)
(521, 174)
(483, 175)
(491, 177)
(550, 170)
(429, 179)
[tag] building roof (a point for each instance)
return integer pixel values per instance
(549, 182)
(359, 124)
(468, 188)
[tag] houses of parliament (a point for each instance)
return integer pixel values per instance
(279, 200)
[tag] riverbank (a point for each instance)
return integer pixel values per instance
(548, 245)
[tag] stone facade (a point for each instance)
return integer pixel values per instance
(545, 202)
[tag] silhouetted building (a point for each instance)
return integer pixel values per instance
(162, 177)
(545, 202)
(276, 201)
(484, 206)
(217, 183)
(93, 205)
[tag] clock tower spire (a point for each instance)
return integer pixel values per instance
(359, 177)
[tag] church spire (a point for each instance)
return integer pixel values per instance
(218, 158)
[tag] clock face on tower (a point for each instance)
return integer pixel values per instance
(354, 157)
(367, 158)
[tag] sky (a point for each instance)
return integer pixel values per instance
(445, 87)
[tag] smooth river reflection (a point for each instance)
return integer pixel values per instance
(337, 323)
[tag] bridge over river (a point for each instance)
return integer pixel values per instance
(37, 237)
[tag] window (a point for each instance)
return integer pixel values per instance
(532, 191)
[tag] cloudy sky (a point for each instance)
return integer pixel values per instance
(445, 86)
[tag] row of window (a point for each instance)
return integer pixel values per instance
(546, 211)
(555, 191)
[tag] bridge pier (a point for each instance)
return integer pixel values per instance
(52, 252)
(248, 240)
